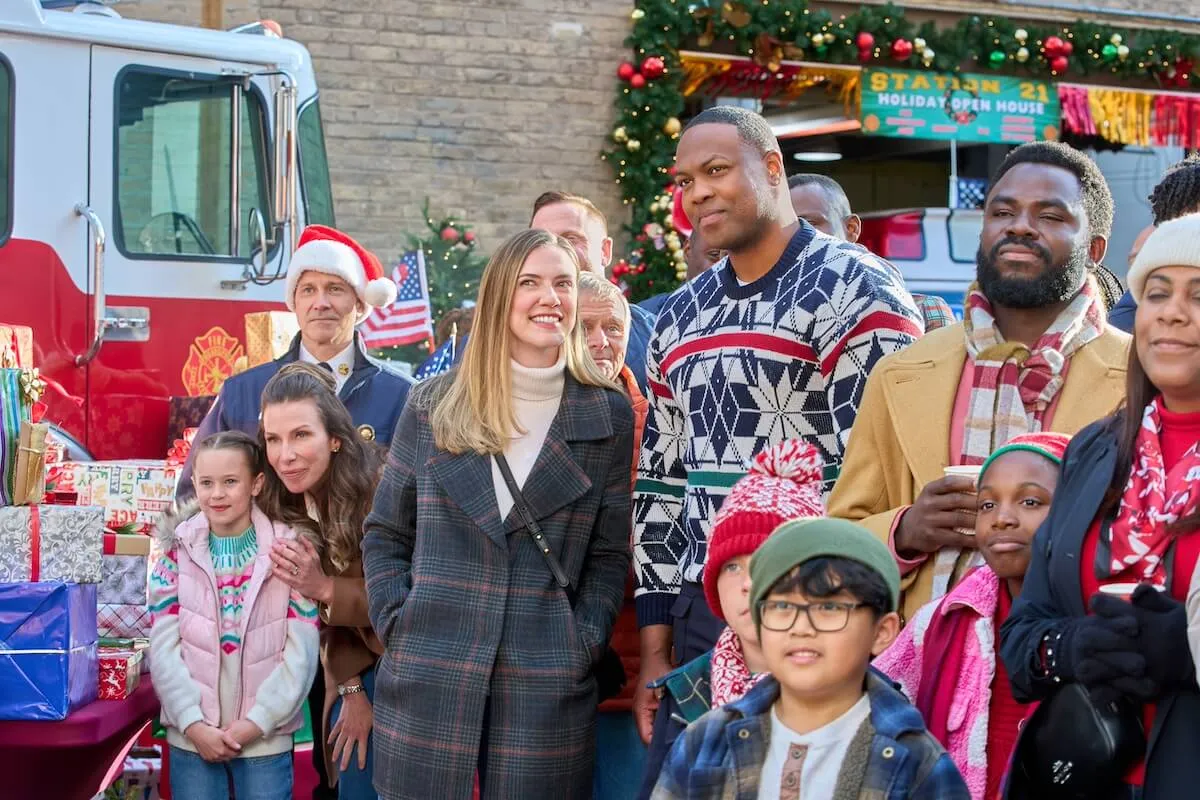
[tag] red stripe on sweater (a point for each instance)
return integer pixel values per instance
(877, 320)
(748, 341)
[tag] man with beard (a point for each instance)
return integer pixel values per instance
(775, 342)
(1033, 353)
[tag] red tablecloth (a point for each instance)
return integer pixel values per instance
(69, 760)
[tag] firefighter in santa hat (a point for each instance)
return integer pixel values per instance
(333, 284)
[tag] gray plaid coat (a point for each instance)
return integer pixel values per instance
(488, 664)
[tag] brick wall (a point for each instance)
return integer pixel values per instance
(476, 103)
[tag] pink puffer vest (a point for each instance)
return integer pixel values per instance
(264, 619)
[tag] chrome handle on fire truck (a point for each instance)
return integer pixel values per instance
(100, 324)
(286, 157)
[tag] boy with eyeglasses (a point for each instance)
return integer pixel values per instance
(823, 597)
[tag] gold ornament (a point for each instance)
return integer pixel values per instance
(919, 43)
(619, 135)
(634, 145)
(830, 38)
(1122, 52)
(928, 55)
(1022, 54)
(680, 274)
(636, 14)
(1020, 34)
(818, 39)
(1115, 39)
(672, 126)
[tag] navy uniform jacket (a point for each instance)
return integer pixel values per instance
(373, 394)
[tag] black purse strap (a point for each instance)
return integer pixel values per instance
(531, 525)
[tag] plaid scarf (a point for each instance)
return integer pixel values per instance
(1154, 499)
(731, 678)
(1013, 384)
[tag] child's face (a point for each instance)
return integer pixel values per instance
(733, 587)
(225, 489)
(1014, 499)
(822, 664)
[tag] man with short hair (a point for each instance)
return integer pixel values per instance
(580, 222)
(775, 342)
(1033, 353)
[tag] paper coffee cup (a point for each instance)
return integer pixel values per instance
(964, 471)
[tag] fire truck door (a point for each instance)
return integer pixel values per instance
(180, 164)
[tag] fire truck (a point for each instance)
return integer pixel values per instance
(153, 182)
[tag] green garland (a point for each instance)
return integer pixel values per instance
(648, 106)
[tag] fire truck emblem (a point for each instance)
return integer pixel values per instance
(211, 359)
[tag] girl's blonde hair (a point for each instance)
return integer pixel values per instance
(474, 412)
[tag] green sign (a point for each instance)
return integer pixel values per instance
(968, 108)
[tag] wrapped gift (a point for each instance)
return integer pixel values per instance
(180, 449)
(269, 335)
(124, 569)
(29, 481)
(120, 672)
(133, 494)
(136, 645)
(16, 346)
(186, 412)
(48, 662)
(20, 389)
(51, 543)
(140, 778)
(123, 621)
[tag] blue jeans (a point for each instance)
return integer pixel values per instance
(620, 756)
(265, 778)
(355, 783)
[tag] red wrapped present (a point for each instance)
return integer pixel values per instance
(120, 672)
(177, 456)
(123, 621)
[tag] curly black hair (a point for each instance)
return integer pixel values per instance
(1178, 192)
(1093, 188)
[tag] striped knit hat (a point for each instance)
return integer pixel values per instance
(1048, 444)
(784, 483)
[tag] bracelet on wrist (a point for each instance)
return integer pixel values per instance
(345, 689)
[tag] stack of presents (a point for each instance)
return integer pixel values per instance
(75, 552)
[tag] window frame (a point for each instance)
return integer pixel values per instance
(265, 188)
(9, 152)
(312, 102)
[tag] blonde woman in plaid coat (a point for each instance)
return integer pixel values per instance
(489, 659)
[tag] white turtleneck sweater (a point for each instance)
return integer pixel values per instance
(537, 393)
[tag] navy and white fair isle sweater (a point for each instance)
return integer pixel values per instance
(734, 369)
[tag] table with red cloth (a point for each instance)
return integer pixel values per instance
(75, 758)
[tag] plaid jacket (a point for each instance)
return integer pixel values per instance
(720, 757)
(488, 662)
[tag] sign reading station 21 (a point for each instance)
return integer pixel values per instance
(968, 108)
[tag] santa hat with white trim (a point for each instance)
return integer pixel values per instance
(323, 249)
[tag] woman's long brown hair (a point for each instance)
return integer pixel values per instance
(344, 494)
(1140, 392)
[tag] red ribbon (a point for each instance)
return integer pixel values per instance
(35, 543)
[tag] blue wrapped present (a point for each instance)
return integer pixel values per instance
(48, 662)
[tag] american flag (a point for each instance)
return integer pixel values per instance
(408, 319)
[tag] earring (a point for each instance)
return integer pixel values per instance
(336, 448)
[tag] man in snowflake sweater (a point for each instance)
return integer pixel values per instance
(774, 342)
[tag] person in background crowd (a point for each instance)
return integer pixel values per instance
(321, 478)
(581, 223)
(456, 322)
(620, 756)
(773, 343)
(499, 618)
(783, 484)
(1125, 519)
(947, 657)
(821, 202)
(232, 663)
(699, 259)
(823, 723)
(1178, 193)
(1033, 354)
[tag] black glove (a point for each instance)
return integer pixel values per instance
(1098, 652)
(1162, 637)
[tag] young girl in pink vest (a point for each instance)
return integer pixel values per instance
(233, 649)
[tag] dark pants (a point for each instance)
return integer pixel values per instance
(694, 631)
(316, 707)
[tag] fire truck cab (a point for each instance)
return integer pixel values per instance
(153, 181)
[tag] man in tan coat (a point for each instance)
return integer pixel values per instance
(1034, 353)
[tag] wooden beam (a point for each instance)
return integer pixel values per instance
(213, 14)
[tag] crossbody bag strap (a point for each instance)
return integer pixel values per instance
(531, 525)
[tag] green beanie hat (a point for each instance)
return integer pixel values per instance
(793, 543)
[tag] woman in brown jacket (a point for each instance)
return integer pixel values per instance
(323, 476)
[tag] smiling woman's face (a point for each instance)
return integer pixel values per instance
(1166, 332)
(298, 445)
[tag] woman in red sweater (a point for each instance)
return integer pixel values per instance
(1102, 603)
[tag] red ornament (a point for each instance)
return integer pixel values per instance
(1053, 46)
(1067, 48)
(449, 234)
(469, 237)
(653, 67)
(640, 269)
(671, 170)
(865, 41)
(865, 55)
(902, 49)
(637, 81)
(626, 71)
(1059, 64)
